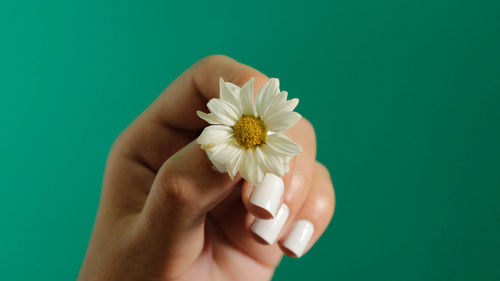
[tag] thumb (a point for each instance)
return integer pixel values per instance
(184, 190)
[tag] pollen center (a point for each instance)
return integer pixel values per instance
(249, 132)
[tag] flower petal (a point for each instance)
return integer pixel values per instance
(214, 155)
(234, 165)
(230, 93)
(270, 161)
(224, 111)
(277, 102)
(233, 87)
(290, 105)
(213, 135)
(218, 166)
(246, 95)
(247, 167)
(250, 169)
(281, 121)
(209, 117)
(224, 152)
(286, 164)
(282, 145)
(265, 94)
(259, 175)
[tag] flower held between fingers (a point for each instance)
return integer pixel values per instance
(247, 136)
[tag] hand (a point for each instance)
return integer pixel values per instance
(166, 214)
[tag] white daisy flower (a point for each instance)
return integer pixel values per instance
(247, 136)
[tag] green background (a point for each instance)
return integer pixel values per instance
(404, 95)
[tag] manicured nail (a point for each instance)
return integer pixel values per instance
(297, 239)
(267, 195)
(269, 230)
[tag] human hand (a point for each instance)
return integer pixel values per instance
(166, 214)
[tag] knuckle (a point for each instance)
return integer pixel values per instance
(246, 73)
(308, 127)
(324, 201)
(323, 170)
(206, 73)
(325, 205)
(177, 189)
(120, 144)
(216, 65)
(303, 133)
(213, 60)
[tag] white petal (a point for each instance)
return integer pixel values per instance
(290, 105)
(281, 121)
(246, 95)
(230, 93)
(265, 94)
(209, 117)
(269, 161)
(250, 169)
(213, 135)
(280, 99)
(286, 164)
(233, 87)
(218, 166)
(258, 175)
(234, 165)
(277, 102)
(282, 145)
(224, 111)
(224, 152)
(214, 157)
(247, 167)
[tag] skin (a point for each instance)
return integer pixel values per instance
(166, 214)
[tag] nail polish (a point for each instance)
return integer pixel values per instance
(269, 230)
(267, 195)
(299, 236)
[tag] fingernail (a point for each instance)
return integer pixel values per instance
(297, 239)
(267, 195)
(269, 230)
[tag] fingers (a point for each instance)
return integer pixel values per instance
(313, 218)
(297, 232)
(168, 125)
(171, 121)
(177, 106)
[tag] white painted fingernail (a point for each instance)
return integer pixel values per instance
(297, 239)
(269, 230)
(267, 195)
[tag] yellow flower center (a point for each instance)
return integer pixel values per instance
(250, 132)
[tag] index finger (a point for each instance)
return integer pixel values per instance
(171, 121)
(177, 105)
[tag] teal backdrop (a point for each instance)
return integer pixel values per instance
(404, 95)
